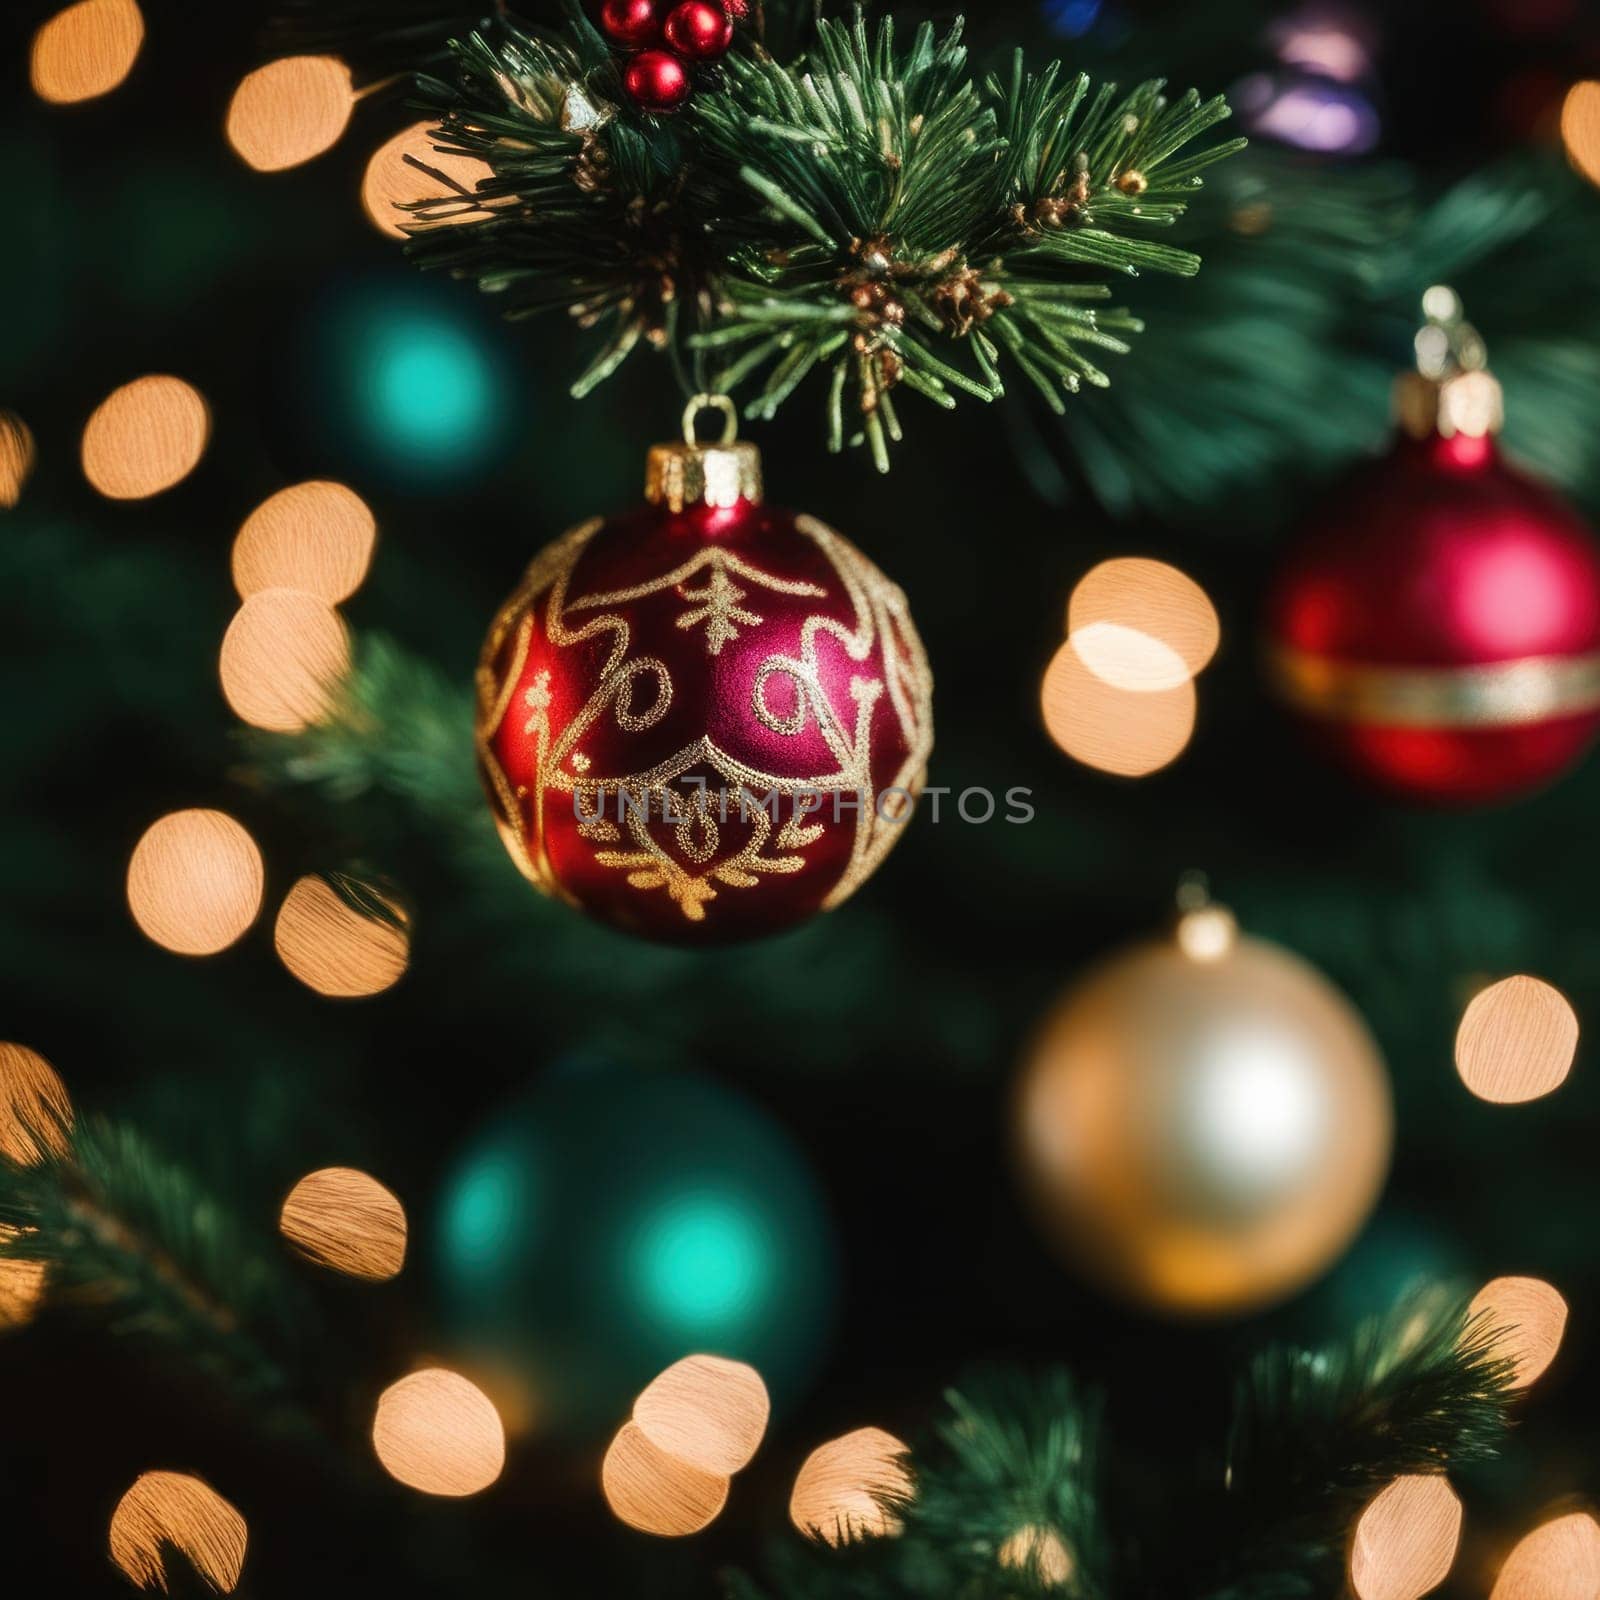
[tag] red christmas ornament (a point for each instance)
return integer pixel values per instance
(1439, 627)
(657, 80)
(737, 9)
(706, 719)
(699, 30)
(633, 24)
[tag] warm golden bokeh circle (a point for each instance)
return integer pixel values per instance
(1140, 624)
(145, 437)
(282, 659)
(85, 51)
(195, 882)
(1559, 1560)
(167, 1511)
(316, 537)
(1405, 1541)
(391, 181)
(289, 111)
(22, 1284)
(1041, 1551)
(1532, 1317)
(1516, 1041)
(336, 949)
(436, 1432)
(17, 456)
(837, 1492)
(1580, 128)
(35, 1108)
(347, 1221)
(706, 1411)
(653, 1492)
(1122, 731)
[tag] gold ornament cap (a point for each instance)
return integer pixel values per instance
(1451, 393)
(680, 475)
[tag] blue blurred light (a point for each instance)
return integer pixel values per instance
(414, 382)
(702, 1262)
(1072, 19)
(487, 1207)
(432, 387)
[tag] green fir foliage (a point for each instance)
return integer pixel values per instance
(872, 216)
(138, 1243)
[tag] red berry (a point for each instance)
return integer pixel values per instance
(657, 80)
(631, 23)
(702, 30)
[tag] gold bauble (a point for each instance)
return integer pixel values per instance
(1205, 1120)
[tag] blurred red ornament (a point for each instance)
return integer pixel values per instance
(706, 719)
(737, 9)
(633, 24)
(700, 30)
(657, 80)
(1439, 625)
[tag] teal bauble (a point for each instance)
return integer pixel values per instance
(613, 1220)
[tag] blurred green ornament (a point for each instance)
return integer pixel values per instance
(614, 1220)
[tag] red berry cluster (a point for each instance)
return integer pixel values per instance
(668, 39)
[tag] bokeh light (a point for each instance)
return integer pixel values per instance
(17, 456)
(1308, 113)
(430, 386)
(35, 1108)
(654, 1492)
(1560, 1560)
(336, 948)
(85, 51)
(1405, 1541)
(439, 1433)
(1326, 44)
(702, 1259)
(1516, 1041)
(347, 1221)
(838, 1493)
(1140, 624)
(282, 658)
(397, 381)
(174, 1511)
(1121, 731)
(1532, 1317)
(195, 882)
(1580, 128)
(707, 1412)
(290, 111)
(145, 437)
(316, 537)
(22, 1284)
(1040, 1551)
(1072, 19)
(391, 181)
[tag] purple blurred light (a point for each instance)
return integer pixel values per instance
(1312, 114)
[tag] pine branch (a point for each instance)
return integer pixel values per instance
(134, 1241)
(870, 212)
(1315, 1434)
(1005, 1495)
(399, 729)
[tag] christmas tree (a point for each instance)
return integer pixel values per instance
(1044, 1052)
